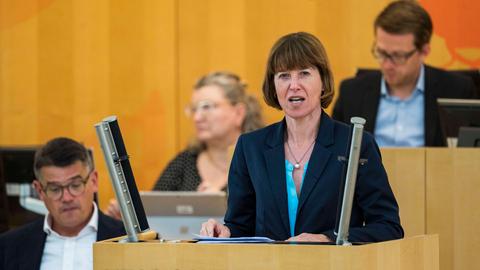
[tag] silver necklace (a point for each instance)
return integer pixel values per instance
(297, 162)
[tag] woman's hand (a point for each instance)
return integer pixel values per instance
(113, 209)
(213, 228)
(206, 187)
(309, 237)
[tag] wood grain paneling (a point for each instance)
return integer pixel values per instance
(415, 253)
(67, 65)
(406, 173)
(453, 188)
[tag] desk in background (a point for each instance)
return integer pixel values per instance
(438, 191)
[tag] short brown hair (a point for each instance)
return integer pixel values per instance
(406, 17)
(297, 51)
(61, 152)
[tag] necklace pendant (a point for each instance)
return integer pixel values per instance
(297, 166)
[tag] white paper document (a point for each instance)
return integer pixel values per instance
(221, 240)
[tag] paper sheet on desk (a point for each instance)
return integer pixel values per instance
(239, 240)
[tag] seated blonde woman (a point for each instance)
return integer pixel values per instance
(221, 110)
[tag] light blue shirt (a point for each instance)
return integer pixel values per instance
(401, 123)
(292, 194)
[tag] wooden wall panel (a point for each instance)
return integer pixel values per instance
(141, 83)
(453, 188)
(67, 65)
(211, 37)
(406, 173)
(55, 71)
(18, 77)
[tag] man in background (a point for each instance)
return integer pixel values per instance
(399, 101)
(66, 182)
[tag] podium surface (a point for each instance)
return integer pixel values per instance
(419, 252)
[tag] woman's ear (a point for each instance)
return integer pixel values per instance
(241, 113)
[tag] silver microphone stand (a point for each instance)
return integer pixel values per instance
(350, 180)
(117, 176)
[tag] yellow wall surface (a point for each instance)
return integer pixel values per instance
(67, 64)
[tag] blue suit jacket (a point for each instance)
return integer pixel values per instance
(257, 202)
(22, 248)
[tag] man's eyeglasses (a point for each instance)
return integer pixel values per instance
(204, 106)
(396, 58)
(75, 188)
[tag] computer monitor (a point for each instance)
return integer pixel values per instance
(180, 214)
(469, 137)
(16, 169)
(460, 118)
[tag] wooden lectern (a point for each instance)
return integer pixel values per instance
(414, 253)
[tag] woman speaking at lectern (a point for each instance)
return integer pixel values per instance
(284, 179)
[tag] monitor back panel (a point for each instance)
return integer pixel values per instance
(178, 215)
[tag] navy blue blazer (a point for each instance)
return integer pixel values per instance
(22, 248)
(257, 200)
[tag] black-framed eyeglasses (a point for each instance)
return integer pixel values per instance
(396, 58)
(75, 188)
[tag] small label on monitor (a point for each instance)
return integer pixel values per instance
(184, 209)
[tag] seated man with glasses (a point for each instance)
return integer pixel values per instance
(66, 182)
(399, 101)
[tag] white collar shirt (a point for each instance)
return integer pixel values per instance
(70, 253)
